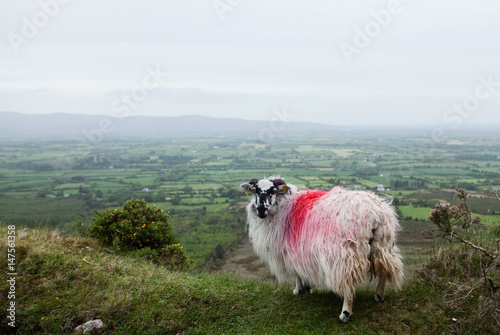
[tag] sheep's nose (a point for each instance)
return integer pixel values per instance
(262, 211)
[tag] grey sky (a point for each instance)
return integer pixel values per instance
(326, 61)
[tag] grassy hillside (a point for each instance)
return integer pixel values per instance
(63, 282)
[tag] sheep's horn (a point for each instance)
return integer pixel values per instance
(278, 182)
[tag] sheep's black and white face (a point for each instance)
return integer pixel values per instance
(265, 192)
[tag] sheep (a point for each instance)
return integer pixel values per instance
(332, 240)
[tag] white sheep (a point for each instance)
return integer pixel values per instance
(332, 240)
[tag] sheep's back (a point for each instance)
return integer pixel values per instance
(327, 234)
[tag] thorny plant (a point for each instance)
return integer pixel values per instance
(474, 261)
(454, 222)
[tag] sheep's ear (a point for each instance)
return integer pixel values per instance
(281, 186)
(282, 189)
(247, 188)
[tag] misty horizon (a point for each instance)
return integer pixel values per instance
(368, 63)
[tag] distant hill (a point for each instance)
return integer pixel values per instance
(95, 127)
(59, 125)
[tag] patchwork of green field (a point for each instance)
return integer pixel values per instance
(422, 213)
(418, 213)
(57, 183)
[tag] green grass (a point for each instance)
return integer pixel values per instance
(63, 282)
(468, 283)
(143, 180)
(39, 210)
(71, 186)
(106, 186)
(201, 242)
(417, 213)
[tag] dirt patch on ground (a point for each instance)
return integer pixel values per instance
(243, 263)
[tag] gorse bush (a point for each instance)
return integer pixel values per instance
(141, 229)
(135, 225)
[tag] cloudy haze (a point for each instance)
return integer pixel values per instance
(337, 62)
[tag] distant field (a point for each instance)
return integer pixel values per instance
(197, 177)
(418, 213)
(422, 213)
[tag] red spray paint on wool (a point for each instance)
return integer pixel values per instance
(301, 207)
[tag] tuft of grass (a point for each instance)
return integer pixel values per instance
(63, 282)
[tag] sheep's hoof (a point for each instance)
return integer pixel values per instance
(305, 290)
(344, 317)
(378, 298)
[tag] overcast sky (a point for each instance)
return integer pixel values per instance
(337, 62)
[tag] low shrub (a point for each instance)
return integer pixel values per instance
(140, 229)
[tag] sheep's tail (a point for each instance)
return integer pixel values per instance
(385, 257)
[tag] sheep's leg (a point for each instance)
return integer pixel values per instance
(346, 310)
(379, 295)
(298, 286)
(301, 286)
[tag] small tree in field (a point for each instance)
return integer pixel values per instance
(141, 229)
